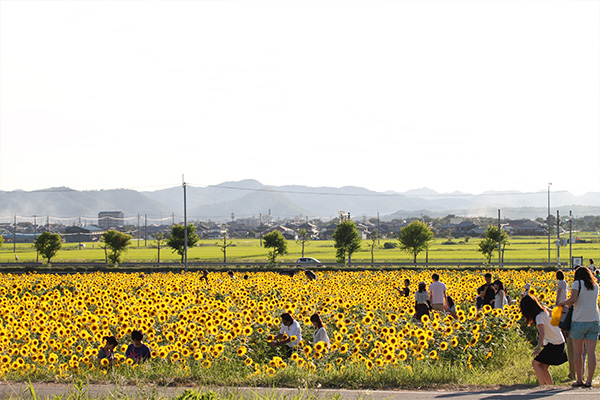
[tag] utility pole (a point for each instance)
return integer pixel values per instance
(557, 239)
(378, 234)
(15, 234)
(548, 222)
(145, 230)
(260, 227)
(37, 253)
(499, 242)
(185, 233)
(138, 230)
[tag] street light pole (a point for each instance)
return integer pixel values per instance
(548, 222)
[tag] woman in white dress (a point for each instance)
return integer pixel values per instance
(320, 334)
(500, 300)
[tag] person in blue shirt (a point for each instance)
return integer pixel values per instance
(137, 350)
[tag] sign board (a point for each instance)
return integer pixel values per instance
(577, 262)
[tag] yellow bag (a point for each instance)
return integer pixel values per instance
(556, 314)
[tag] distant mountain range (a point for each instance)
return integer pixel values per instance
(249, 198)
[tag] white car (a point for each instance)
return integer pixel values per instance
(308, 260)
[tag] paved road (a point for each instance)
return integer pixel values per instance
(44, 390)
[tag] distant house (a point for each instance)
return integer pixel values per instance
(287, 233)
(216, 234)
(465, 228)
(111, 219)
(152, 230)
(9, 237)
(311, 229)
(89, 233)
(526, 227)
(363, 231)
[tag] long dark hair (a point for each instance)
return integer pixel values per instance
(499, 283)
(110, 340)
(560, 275)
(584, 274)
(530, 308)
(316, 319)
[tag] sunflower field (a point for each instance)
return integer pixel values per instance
(215, 331)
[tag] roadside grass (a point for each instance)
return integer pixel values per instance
(511, 365)
(521, 249)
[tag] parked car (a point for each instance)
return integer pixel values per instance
(308, 261)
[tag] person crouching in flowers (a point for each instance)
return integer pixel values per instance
(320, 334)
(550, 337)
(106, 355)
(290, 329)
(137, 350)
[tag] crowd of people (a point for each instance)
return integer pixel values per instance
(574, 342)
(575, 337)
(435, 297)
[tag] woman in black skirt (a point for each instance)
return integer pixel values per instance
(422, 305)
(551, 338)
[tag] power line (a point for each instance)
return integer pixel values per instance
(382, 194)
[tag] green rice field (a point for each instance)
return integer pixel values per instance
(520, 249)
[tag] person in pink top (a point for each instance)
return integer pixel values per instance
(437, 294)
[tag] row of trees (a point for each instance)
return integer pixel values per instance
(414, 239)
(115, 243)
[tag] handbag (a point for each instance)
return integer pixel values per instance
(565, 324)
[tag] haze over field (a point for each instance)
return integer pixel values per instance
(250, 198)
(386, 95)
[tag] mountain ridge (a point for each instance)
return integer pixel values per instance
(249, 198)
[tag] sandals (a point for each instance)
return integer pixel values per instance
(581, 384)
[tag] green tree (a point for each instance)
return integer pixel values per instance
(486, 247)
(117, 242)
(48, 244)
(489, 243)
(177, 239)
(1, 240)
(277, 243)
(346, 240)
(414, 238)
(303, 238)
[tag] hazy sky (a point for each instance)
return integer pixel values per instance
(394, 95)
